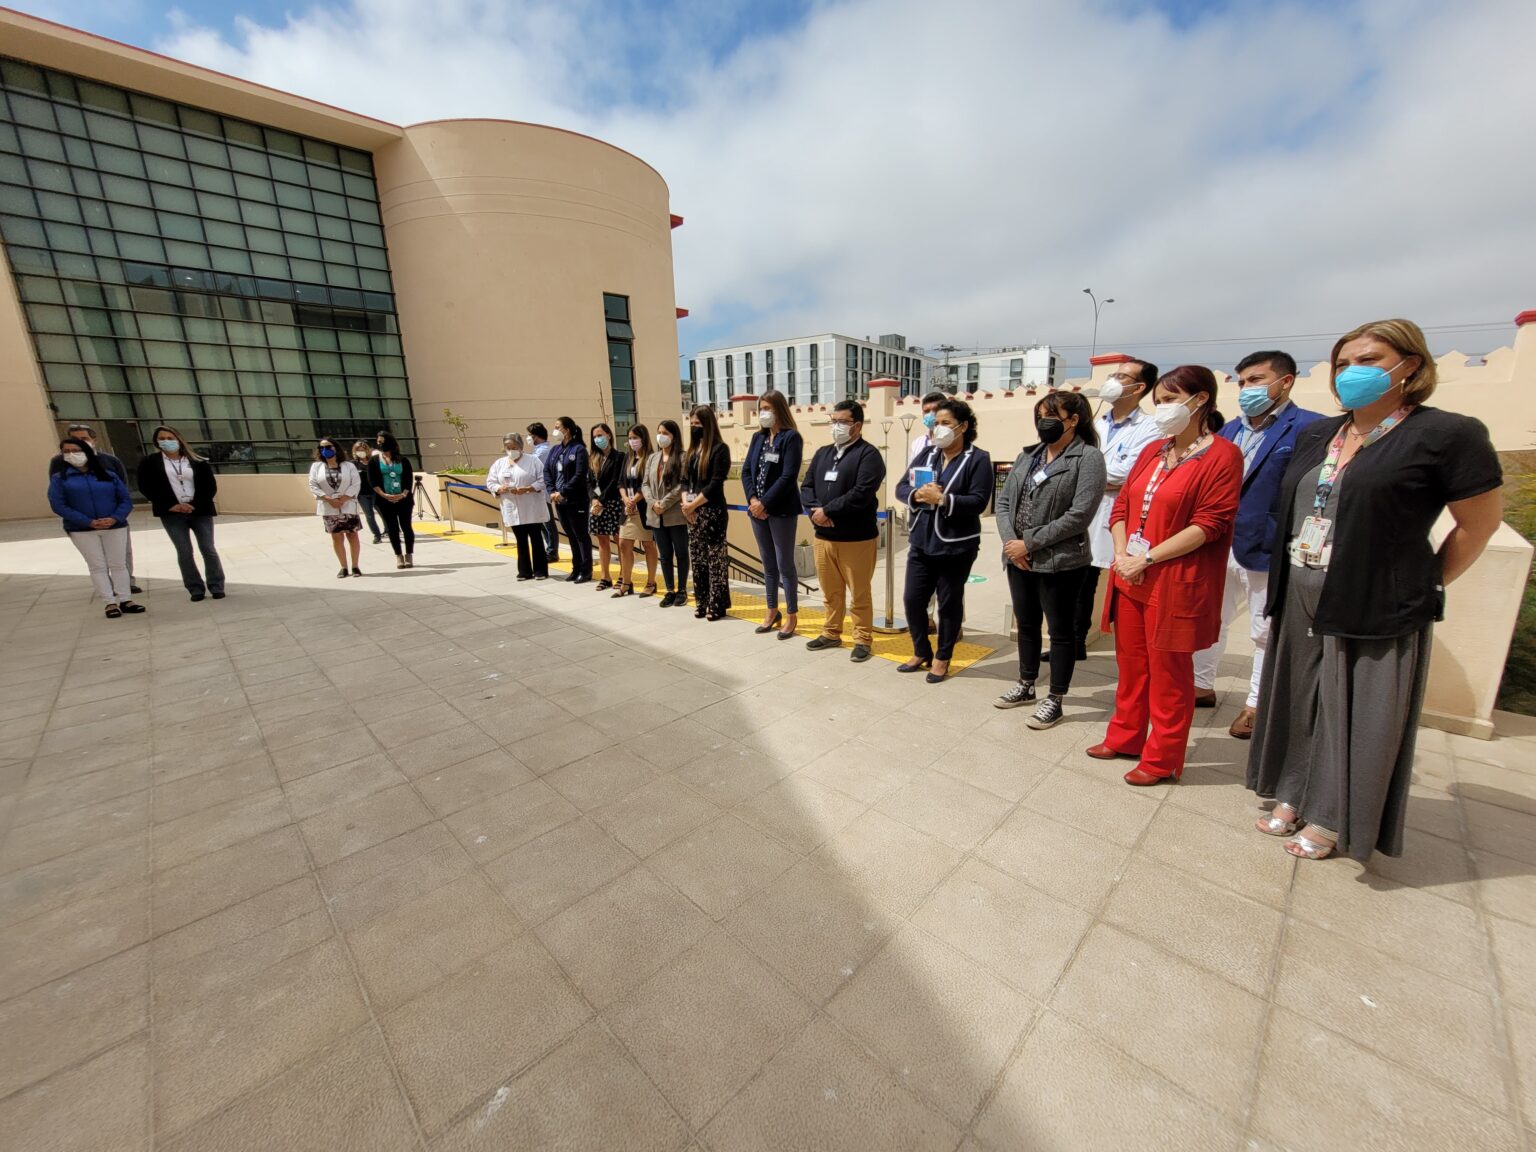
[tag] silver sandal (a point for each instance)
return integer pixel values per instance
(1273, 825)
(1299, 845)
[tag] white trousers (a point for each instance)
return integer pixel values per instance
(1242, 586)
(106, 555)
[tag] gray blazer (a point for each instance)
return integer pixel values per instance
(1060, 508)
(663, 505)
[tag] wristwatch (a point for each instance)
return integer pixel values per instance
(1148, 555)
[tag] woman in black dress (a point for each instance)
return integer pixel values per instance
(704, 472)
(607, 511)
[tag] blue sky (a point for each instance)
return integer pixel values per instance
(960, 171)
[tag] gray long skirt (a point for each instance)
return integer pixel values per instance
(1337, 723)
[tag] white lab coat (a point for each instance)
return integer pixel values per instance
(1121, 447)
(527, 471)
(349, 486)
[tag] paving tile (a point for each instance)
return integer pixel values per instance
(820, 1092)
(704, 1025)
(582, 1096)
(720, 864)
(1018, 933)
(494, 827)
(1364, 1102)
(360, 824)
(101, 1104)
(439, 750)
(675, 743)
(1194, 1027)
(946, 808)
(732, 773)
(1231, 856)
(1439, 1028)
(1057, 859)
(410, 948)
(1066, 1089)
(72, 1018)
(60, 835)
(615, 939)
(56, 943)
(95, 869)
(47, 800)
(1514, 949)
(229, 1043)
(344, 1097)
(554, 871)
(653, 815)
(479, 1027)
(893, 863)
(199, 833)
(1522, 1026)
(1493, 828)
(478, 778)
(956, 1024)
(813, 929)
(563, 742)
(1442, 867)
(602, 778)
(1111, 811)
(800, 812)
(856, 769)
(312, 755)
(1004, 768)
(232, 875)
(1215, 929)
(342, 784)
(175, 799)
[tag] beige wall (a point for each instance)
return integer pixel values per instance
(503, 238)
(26, 426)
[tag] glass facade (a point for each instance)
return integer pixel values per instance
(621, 361)
(182, 267)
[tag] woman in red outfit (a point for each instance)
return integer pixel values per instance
(1172, 527)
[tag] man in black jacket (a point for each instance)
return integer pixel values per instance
(841, 494)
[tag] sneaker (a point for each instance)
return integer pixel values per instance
(1021, 693)
(1047, 715)
(860, 653)
(817, 643)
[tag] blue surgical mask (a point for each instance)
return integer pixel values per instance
(327, 453)
(930, 419)
(1363, 384)
(600, 443)
(168, 445)
(1255, 401)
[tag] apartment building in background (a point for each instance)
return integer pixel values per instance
(1036, 368)
(807, 369)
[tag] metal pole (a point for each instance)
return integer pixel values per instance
(893, 623)
(448, 504)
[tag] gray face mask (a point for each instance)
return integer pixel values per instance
(841, 432)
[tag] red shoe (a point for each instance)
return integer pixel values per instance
(1105, 752)
(1141, 778)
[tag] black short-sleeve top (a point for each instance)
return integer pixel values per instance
(1383, 577)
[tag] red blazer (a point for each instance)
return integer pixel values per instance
(1185, 593)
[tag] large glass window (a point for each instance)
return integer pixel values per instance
(208, 267)
(621, 360)
(751, 391)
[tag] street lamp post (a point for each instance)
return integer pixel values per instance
(1097, 305)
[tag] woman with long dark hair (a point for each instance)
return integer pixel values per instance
(1172, 529)
(708, 464)
(565, 478)
(771, 477)
(662, 490)
(361, 454)
(392, 481)
(632, 530)
(605, 463)
(94, 504)
(1044, 513)
(180, 487)
(335, 483)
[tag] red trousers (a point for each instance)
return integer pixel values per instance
(1155, 686)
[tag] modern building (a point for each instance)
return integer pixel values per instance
(1036, 368)
(807, 369)
(258, 269)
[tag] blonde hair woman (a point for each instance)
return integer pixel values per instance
(632, 529)
(180, 487)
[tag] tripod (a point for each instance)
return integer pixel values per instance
(423, 497)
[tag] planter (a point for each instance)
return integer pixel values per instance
(805, 561)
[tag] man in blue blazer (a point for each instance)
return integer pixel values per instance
(1266, 436)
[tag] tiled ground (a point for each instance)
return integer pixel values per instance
(436, 860)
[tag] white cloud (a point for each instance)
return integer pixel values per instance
(960, 171)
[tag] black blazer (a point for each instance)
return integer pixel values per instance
(376, 475)
(155, 486)
(603, 480)
(952, 528)
(710, 485)
(781, 477)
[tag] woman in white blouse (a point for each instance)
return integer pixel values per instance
(335, 482)
(517, 480)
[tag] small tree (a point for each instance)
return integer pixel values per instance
(460, 437)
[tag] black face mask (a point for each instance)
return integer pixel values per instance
(694, 432)
(1049, 429)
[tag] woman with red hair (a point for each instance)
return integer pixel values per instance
(1172, 528)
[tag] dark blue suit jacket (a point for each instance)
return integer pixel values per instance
(1261, 484)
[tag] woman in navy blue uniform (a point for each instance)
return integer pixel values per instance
(565, 478)
(771, 478)
(945, 511)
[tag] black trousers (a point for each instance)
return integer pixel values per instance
(397, 522)
(672, 544)
(1085, 598)
(368, 501)
(532, 560)
(552, 536)
(1053, 597)
(573, 522)
(945, 575)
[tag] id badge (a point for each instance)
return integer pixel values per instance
(1137, 545)
(831, 475)
(687, 497)
(1039, 477)
(1313, 534)
(771, 457)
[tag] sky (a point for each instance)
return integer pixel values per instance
(1236, 174)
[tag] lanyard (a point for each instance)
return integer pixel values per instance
(1329, 475)
(333, 479)
(1159, 474)
(1036, 463)
(769, 443)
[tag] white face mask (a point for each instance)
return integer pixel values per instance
(942, 435)
(514, 453)
(75, 458)
(554, 437)
(841, 432)
(1111, 390)
(765, 419)
(1172, 418)
(663, 440)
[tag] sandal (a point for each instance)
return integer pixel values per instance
(113, 612)
(771, 625)
(1273, 825)
(623, 590)
(129, 607)
(1308, 849)
(648, 590)
(342, 575)
(603, 585)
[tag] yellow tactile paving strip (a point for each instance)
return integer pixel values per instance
(744, 605)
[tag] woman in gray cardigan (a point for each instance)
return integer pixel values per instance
(662, 490)
(1043, 515)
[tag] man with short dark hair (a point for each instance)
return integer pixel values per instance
(114, 464)
(921, 442)
(1124, 429)
(841, 495)
(538, 437)
(1265, 435)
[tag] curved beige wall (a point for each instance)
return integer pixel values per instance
(503, 238)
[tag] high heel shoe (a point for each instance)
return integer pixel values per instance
(770, 625)
(602, 585)
(1309, 849)
(1139, 777)
(1273, 825)
(789, 631)
(916, 664)
(938, 677)
(648, 590)
(700, 612)
(623, 590)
